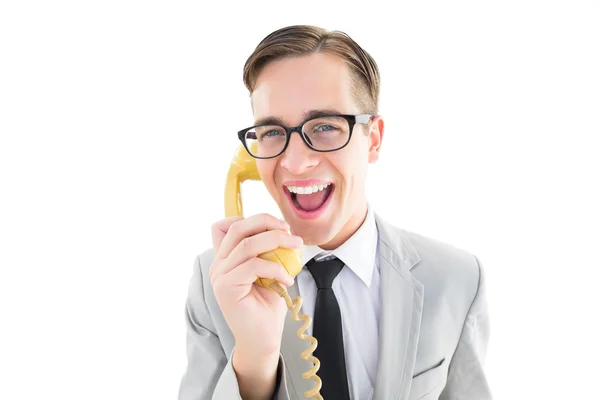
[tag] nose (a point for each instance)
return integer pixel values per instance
(298, 157)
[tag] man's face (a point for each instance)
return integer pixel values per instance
(289, 89)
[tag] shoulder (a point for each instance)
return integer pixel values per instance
(200, 270)
(442, 258)
(447, 272)
(205, 259)
(200, 289)
(202, 305)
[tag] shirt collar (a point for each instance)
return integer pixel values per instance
(358, 252)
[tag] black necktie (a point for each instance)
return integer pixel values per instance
(327, 329)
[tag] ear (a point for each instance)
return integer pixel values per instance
(376, 127)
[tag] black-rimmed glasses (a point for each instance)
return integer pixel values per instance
(328, 132)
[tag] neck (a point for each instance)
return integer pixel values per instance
(354, 222)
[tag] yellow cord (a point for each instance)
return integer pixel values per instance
(294, 306)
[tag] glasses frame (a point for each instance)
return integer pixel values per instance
(352, 119)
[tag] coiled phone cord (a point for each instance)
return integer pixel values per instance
(294, 306)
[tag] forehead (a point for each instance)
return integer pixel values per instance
(289, 87)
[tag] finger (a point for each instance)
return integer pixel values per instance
(249, 271)
(250, 226)
(252, 246)
(219, 230)
(268, 294)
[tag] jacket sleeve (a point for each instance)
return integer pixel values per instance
(209, 373)
(466, 376)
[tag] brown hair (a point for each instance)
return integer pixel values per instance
(299, 40)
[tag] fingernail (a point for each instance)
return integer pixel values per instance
(297, 240)
(289, 280)
(285, 225)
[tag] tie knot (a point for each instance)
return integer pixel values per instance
(324, 272)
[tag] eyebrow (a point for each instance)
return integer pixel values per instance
(305, 116)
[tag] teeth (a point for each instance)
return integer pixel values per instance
(307, 189)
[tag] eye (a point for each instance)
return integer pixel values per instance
(325, 128)
(271, 133)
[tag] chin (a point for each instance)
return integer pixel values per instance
(315, 231)
(316, 234)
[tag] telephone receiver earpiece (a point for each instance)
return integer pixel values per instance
(243, 167)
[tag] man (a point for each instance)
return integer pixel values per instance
(397, 315)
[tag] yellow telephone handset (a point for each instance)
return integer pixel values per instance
(242, 168)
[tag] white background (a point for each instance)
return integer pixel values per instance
(118, 121)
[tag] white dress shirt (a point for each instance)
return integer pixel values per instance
(357, 291)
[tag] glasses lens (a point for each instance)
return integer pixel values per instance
(265, 140)
(327, 133)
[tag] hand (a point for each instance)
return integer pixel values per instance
(255, 315)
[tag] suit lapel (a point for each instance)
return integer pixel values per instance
(400, 321)
(291, 348)
(400, 314)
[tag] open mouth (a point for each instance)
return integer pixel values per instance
(310, 202)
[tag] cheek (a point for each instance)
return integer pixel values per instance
(267, 172)
(351, 168)
(343, 167)
(349, 161)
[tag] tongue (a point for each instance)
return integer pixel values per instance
(310, 202)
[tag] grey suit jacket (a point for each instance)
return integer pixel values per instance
(434, 328)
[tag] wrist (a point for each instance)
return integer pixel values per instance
(257, 362)
(256, 374)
